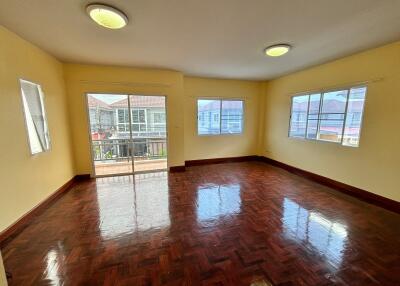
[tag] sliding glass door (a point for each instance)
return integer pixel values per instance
(128, 133)
(149, 132)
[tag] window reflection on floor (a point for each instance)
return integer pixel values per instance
(54, 259)
(328, 238)
(217, 201)
(136, 205)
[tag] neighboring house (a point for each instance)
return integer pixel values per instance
(101, 118)
(148, 117)
(110, 124)
(209, 117)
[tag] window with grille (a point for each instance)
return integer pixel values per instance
(215, 117)
(333, 116)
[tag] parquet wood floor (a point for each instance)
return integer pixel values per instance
(225, 224)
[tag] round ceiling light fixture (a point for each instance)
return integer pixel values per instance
(277, 50)
(107, 16)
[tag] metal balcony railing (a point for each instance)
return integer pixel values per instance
(123, 150)
(138, 130)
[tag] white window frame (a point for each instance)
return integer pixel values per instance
(139, 124)
(322, 93)
(220, 116)
(118, 123)
(44, 115)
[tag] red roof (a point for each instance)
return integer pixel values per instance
(141, 101)
(332, 106)
(136, 101)
(94, 102)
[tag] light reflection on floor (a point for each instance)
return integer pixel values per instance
(138, 204)
(326, 237)
(217, 201)
(54, 258)
(226, 224)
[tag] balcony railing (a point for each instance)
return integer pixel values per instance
(123, 150)
(138, 130)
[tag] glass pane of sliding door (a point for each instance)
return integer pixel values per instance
(110, 134)
(149, 132)
(128, 133)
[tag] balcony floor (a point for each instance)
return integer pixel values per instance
(109, 168)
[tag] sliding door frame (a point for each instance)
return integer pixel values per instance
(131, 144)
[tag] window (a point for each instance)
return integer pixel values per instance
(35, 117)
(158, 122)
(123, 120)
(312, 117)
(159, 117)
(333, 116)
(231, 118)
(216, 116)
(298, 121)
(355, 108)
(139, 120)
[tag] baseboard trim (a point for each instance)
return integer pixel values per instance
(219, 160)
(339, 186)
(199, 162)
(13, 230)
(82, 177)
(177, 169)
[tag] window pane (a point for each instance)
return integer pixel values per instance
(315, 100)
(355, 109)
(207, 112)
(332, 116)
(232, 116)
(135, 115)
(121, 127)
(159, 117)
(142, 127)
(36, 123)
(334, 102)
(135, 127)
(313, 115)
(121, 116)
(312, 129)
(330, 130)
(142, 116)
(126, 116)
(298, 117)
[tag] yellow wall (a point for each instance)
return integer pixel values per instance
(375, 165)
(27, 180)
(181, 92)
(81, 79)
(204, 147)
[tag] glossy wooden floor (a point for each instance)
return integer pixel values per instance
(226, 224)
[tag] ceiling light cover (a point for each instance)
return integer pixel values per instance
(107, 16)
(277, 50)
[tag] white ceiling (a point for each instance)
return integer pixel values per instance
(213, 38)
